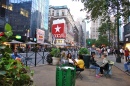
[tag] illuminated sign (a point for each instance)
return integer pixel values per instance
(18, 37)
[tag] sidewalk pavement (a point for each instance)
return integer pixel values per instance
(45, 75)
(118, 65)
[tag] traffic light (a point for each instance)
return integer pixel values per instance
(18, 37)
(89, 42)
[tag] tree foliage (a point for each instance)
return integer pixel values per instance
(105, 8)
(102, 40)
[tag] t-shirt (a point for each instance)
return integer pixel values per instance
(14, 56)
(80, 63)
(126, 52)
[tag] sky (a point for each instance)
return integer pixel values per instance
(74, 6)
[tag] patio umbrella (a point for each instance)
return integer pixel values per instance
(30, 43)
(15, 42)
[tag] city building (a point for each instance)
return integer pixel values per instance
(26, 16)
(2, 15)
(94, 28)
(83, 24)
(87, 35)
(63, 13)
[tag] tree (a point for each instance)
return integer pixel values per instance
(109, 27)
(105, 8)
(102, 40)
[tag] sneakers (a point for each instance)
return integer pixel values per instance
(97, 76)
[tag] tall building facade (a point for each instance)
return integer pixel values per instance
(26, 16)
(87, 35)
(2, 15)
(63, 13)
(83, 24)
(94, 28)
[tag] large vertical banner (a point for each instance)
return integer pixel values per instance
(40, 36)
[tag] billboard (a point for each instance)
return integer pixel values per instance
(40, 36)
(58, 30)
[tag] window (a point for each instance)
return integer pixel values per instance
(63, 13)
(57, 13)
(53, 13)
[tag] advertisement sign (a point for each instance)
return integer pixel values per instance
(58, 30)
(40, 36)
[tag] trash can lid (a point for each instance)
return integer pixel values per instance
(67, 67)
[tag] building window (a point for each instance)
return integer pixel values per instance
(63, 13)
(57, 13)
(53, 13)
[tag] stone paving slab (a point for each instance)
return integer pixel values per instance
(45, 76)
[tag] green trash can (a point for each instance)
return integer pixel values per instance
(65, 75)
(86, 59)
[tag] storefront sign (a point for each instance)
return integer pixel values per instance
(40, 36)
(63, 35)
(58, 30)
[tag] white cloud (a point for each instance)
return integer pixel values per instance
(74, 7)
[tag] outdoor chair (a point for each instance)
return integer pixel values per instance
(108, 73)
(78, 74)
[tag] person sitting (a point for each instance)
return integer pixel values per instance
(126, 64)
(94, 65)
(105, 65)
(64, 59)
(79, 63)
(69, 58)
(16, 56)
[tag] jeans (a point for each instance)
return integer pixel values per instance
(126, 65)
(95, 67)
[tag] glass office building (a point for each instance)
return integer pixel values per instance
(25, 16)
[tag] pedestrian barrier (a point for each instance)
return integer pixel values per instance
(65, 75)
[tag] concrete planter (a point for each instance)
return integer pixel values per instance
(55, 60)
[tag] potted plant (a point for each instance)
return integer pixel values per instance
(55, 52)
(86, 56)
(83, 51)
(12, 72)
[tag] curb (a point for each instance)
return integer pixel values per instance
(122, 70)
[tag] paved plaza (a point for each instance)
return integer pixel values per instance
(45, 76)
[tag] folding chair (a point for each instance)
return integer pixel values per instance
(108, 73)
(78, 74)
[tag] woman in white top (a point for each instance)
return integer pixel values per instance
(69, 57)
(105, 65)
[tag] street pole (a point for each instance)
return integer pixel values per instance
(118, 58)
